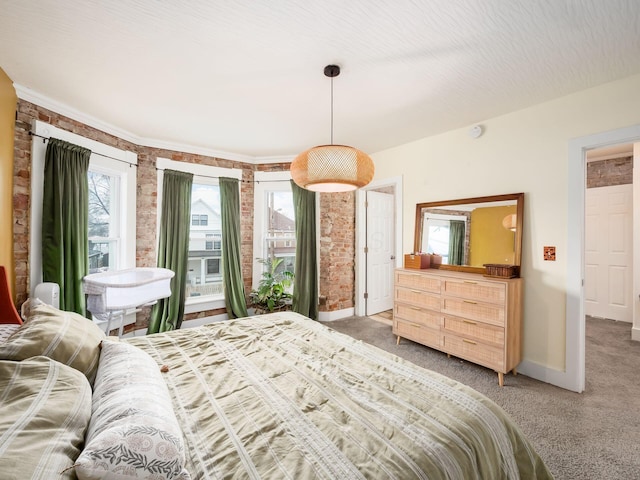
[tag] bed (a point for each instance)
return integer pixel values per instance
(266, 397)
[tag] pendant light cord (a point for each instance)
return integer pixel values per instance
(331, 110)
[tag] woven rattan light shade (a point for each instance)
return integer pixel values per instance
(332, 168)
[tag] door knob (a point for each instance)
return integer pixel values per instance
(393, 257)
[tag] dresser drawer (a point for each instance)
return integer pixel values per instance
(475, 352)
(488, 334)
(418, 333)
(418, 281)
(473, 310)
(417, 315)
(475, 290)
(417, 298)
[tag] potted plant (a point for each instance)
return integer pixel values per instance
(273, 290)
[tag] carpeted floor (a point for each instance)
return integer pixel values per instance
(589, 435)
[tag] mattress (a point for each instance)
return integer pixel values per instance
(282, 396)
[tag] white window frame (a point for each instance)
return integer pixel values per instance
(202, 174)
(122, 163)
(115, 227)
(265, 182)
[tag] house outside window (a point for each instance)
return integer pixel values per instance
(204, 276)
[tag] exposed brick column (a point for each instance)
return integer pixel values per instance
(337, 251)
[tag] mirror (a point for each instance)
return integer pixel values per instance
(471, 232)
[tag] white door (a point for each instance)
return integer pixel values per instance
(608, 252)
(380, 252)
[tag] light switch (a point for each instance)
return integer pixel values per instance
(550, 254)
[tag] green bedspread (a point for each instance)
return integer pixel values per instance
(281, 396)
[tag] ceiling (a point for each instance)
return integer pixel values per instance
(244, 79)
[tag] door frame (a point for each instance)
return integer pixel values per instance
(361, 236)
(573, 378)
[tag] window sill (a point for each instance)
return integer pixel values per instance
(195, 304)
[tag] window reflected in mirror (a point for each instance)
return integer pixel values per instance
(469, 233)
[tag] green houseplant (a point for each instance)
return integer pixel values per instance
(273, 290)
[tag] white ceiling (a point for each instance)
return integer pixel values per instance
(246, 78)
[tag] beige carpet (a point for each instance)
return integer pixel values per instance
(592, 435)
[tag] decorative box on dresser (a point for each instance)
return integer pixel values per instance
(466, 315)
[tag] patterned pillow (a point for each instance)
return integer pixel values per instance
(133, 430)
(66, 337)
(45, 408)
(8, 329)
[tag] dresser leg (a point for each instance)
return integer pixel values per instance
(501, 379)
(514, 372)
(398, 340)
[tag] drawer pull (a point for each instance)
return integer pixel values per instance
(416, 308)
(416, 291)
(469, 322)
(469, 301)
(469, 341)
(470, 282)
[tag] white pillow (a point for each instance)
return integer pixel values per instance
(133, 430)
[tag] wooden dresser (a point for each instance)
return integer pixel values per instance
(466, 315)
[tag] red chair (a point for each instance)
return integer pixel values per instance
(8, 312)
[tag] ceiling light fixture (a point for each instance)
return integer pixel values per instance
(332, 168)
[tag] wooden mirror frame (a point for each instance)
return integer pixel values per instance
(518, 197)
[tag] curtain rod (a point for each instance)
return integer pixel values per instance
(44, 139)
(218, 176)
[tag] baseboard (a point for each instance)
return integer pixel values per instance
(559, 378)
(635, 334)
(335, 315)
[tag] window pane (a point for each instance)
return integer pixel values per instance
(204, 277)
(104, 219)
(280, 235)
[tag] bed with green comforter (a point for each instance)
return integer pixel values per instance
(280, 396)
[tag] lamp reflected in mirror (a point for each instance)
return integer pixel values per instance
(510, 221)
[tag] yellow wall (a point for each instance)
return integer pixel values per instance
(489, 240)
(8, 101)
(525, 151)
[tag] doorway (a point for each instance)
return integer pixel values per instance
(609, 233)
(573, 377)
(378, 244)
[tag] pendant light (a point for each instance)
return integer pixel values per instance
(332, 168)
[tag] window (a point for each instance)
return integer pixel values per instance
(204, 274)
(112, 200)
(204, 278)
(274, 222)
(104, 220)
(202, 220)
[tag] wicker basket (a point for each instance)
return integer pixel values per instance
(499, 270)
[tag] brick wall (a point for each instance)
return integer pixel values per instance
(337, 211)
(613, 171)
(337, 251)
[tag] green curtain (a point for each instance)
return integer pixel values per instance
(65, 221)
(456, 242)
(234, 296)
(173, 249)
(305, 282)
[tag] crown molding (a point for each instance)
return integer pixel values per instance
(34, 97)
